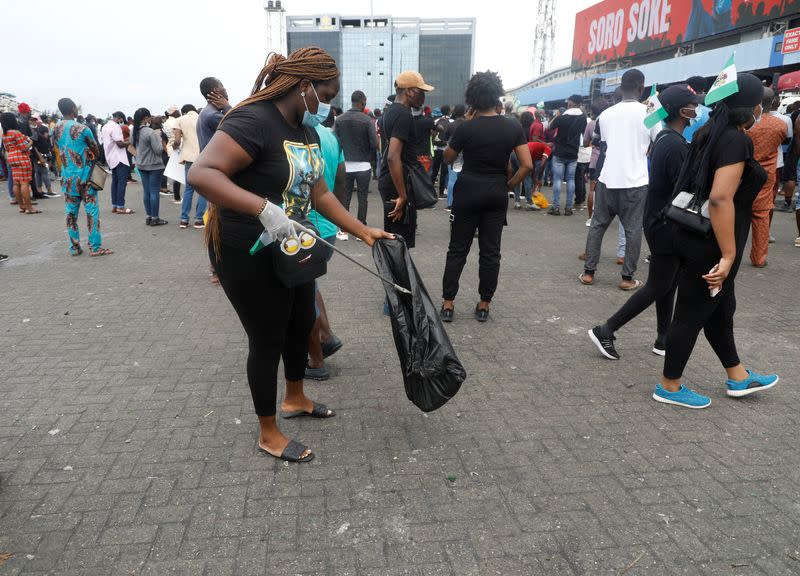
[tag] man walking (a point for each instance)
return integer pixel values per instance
(115, 145)
(570, 126)
(184, 136)
(359, 141)
(622, 186)
(767, 134)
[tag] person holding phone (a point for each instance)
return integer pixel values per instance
(721, 161)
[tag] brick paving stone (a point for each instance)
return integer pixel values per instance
(127, 437)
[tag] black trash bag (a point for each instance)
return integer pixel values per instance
(432, 373)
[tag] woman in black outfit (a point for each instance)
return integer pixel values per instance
(480, 198)
(265, 154)
(669, 151)
(721, 166)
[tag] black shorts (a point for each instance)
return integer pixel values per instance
(592, 174)
(789, 170)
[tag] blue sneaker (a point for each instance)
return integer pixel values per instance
(753, 383)
(683, 397)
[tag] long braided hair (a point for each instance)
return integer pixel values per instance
(276, 79)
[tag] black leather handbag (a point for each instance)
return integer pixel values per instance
(419, 185)
(302, 259)
(688, 211)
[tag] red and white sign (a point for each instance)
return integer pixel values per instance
(791, 41)
(613, 29)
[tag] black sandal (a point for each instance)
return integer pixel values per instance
(446, 314)
(318, 411)
(292, 453)
(481, 314)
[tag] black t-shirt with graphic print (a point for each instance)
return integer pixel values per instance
(280, 171)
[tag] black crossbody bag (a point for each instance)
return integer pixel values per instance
(302, 259)
(689, 209)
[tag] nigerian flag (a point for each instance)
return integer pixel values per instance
(655, 111)
(725, 84)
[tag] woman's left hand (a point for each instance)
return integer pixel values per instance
(372, 234)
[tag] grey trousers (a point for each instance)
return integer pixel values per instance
(628, 205)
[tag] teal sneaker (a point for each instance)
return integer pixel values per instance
(753, 383)
(683, 397)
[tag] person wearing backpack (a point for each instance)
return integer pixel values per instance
(668, 154)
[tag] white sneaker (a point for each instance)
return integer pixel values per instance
(797, 241)
(341, 235)
(517, 205)
(772, 239)
(588, 222)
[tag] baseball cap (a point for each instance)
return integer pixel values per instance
(679, 96)
(24, 108)
(412, 79)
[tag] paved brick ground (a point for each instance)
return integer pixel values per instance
(127, 438)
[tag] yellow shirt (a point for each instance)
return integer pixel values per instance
(190, 147)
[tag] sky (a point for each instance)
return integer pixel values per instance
(112, 55)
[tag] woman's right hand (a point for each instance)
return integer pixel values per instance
(397, 214)
(719, 273)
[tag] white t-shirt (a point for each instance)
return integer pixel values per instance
(628, 139)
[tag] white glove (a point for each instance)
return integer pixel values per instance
(276, 223)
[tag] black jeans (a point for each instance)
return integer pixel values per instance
(277, 320)
(659, 288)
(695, 309)
(580, 182)
(479, 203)
(439, 167)
(360, 179)
(407, 226)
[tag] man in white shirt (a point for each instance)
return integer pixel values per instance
(184, 136)
(115, 147)
(622, 186)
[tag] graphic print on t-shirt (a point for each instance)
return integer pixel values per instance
(306, 166)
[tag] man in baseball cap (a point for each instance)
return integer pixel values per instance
(411, 79)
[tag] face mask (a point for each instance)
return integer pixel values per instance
(692, 119)
(323, 111)
(416, 112)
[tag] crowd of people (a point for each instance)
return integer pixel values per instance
(284, 161)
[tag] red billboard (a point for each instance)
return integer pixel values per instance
(619, 28)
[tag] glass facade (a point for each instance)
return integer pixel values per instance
(328, 41)
(445, 61)
(370, 54)
(366, 64)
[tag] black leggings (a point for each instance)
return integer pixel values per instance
(277, 320)
(695, 309)
(659, 288)
(479, 203)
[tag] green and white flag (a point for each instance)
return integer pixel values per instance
(655, 111)
(725, 84)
